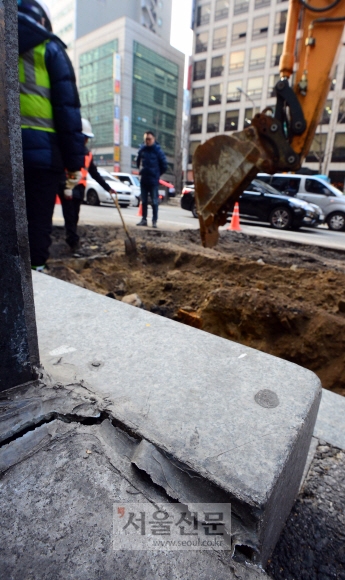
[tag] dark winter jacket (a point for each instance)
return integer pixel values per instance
(153, 163)
(65, 148)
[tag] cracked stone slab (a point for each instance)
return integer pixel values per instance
(240, 419)
(28, 405)
(58, 484)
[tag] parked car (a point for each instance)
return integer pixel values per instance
(132, 181)
(187, 199)
(263, 203)
(313, 189)
(95, 194)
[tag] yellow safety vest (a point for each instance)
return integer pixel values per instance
(35, 100)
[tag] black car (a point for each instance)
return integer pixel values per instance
(261, 202)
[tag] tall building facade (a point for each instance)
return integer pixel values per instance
(129, 77)
(130, 81)
(75, 18)
(235, 66)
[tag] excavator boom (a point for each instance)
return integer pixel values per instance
(225, 165)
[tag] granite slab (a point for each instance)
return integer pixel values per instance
(240, 419)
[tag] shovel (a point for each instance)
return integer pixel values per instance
(130, 243)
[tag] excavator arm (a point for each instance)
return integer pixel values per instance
(275, 141)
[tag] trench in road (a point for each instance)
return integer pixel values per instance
(174, 218)
(281, 298)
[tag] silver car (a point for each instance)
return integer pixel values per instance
(95, 194)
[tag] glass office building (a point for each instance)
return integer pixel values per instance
(155, 92)
(96, 90)
(130, 81)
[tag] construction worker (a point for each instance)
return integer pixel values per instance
(71, 200)
(153, 164)
(50, 122)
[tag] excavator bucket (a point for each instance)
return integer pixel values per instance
(223, 167)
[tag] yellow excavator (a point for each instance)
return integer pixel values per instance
(276, 140)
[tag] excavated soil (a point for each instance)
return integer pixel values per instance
(281, 298)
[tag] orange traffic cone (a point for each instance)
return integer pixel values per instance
(140, 210)
(235, 219)
(57, 200)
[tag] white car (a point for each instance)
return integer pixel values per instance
(95, 194)
(132, 181)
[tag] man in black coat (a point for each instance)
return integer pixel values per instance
(154, 164)
(53, 143)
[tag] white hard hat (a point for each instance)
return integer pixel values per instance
(86, 128)
(37, 9)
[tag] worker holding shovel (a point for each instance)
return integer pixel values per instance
(71, 200)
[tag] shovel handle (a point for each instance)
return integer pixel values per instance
(116, 202)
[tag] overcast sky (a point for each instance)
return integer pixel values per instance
(181, 34)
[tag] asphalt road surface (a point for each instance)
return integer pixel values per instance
(172, 217)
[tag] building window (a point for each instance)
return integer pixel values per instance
(257, 57)
(201, 42)
(326, 114)
(248, 115)
(241, 6)
(341, 112)
(170, 101)
(158, 96)
(233, 94)
(169, 143)
(254, 86)
(199, 72)
(338, 153)
(261, 3)
(222, 9)
(239, 32)
(192, 147)
(217, 66)
(260, 27)
(198, 97)
(169, 122)
(219, 37)
(236, 63)
(215, 95)
(203, 14)
(154, 104)
(272, 81)
(213, 120)
(317, 149)
(277, 50)
(196, 123)
(280, 22)
(231, 121)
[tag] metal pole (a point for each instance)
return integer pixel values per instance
(18, 335)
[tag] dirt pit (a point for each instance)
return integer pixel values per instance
(281, 298)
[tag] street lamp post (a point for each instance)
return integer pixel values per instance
(249, 98)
